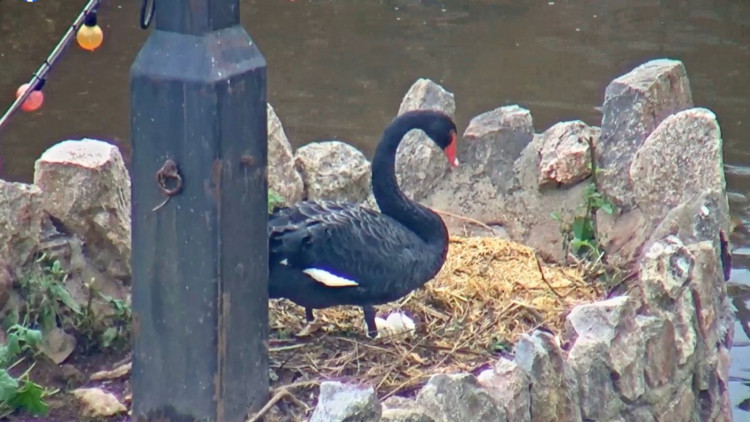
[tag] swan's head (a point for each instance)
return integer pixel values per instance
(442, 130)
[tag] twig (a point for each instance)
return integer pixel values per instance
(544, 279)
(280, 393)
(468, 219)
(270, 404)
(284, 348)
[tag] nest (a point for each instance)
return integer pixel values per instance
(489, 292)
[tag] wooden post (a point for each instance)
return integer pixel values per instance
(199, 217)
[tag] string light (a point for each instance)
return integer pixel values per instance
(31, 99)
(89, 35)
(34, 100)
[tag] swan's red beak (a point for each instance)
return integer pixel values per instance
(450, 151)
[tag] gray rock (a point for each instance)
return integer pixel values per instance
(680, 159)
(683, 408)
(405, 415)
(400, 409)
(527, 211)
(601, 320)
(338, 402)
(509, 385)
(609, 338)
(459, 397)
(420, 164)
(283, 178)
(87, 188)
(722, 371)
(622, 236)
(589, 360)
(634, 105)
(426, 94)
(566, 153)
(333, 170)
(685, 326)
(665, 270)
(693, 210)
(21, 222)
(554, 387)
(700, 218)
(660, 362)
(709, 294)
(486, 153)
(493, 141)
(397, 402)
(639, 414)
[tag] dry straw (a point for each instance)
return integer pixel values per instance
(489, 292)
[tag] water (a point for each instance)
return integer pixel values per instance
(339, 69)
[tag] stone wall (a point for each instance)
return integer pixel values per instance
(657, 350)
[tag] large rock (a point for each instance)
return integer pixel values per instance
(405, 415)
(665, 272)
(509, 385)
(528, 211)
(282, 176)
(554, 387)
(702, 217)
(566, 153)
(420, 164)
(714, 323)
(493, 141)
(459, 397)
(86, 187)
(660, 362)
(21, 223)
(333, 170)
(634, 105)
(399, 409)
(598, 396)
(338, 402)
(478, 188)
(677, 175)
(608, 341)
(678, 160)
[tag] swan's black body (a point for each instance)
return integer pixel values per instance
(387, 255)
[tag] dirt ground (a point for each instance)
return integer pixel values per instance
(75, 373)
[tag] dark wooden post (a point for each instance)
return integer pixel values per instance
(200, 259)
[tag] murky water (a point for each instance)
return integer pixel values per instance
(339, 69)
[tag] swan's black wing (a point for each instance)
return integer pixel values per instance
(348, 241)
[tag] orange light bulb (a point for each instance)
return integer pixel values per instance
(33, 101)
(89, 37)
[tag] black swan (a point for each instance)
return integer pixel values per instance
(324, 254)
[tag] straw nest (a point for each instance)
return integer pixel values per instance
(489, 292)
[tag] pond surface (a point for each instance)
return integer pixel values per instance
(339, 69)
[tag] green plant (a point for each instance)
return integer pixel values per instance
(48, 302)
(101, 331)
(20, 393)
(579, 232)
(274, 200)
(49, 305)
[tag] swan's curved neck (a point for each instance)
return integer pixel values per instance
(419, 219)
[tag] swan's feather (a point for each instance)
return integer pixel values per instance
(328, 279)
(349, 241)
